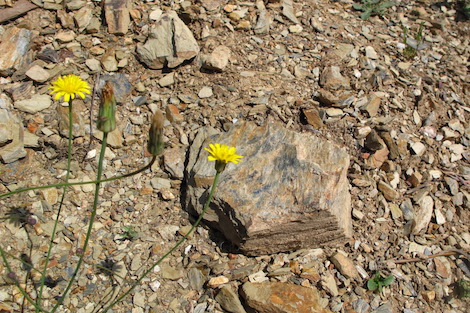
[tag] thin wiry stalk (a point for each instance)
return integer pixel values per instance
(154, 158)
(56, 222)
(23, 292)
(90, 224)
(206, 205)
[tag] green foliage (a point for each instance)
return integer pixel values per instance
(377, 282)
(463, 287)
(413, 44)
(466, 8)
(129, 233)
(372, 7)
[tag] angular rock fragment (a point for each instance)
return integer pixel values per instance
(264, 21)
(290, 190)
(332, 79)
(217, 60)
(229, 301)
(117, 16)
(170, 43)
(35, 104)
(272, 297)
(14, 45)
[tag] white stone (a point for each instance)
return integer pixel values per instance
(38, 74)
(423, 216)
(418, 148)
(334, 112)
(155, 14)
(167, 80)
(371, 53)
(205, 92)
(295, 28)
(35, 104)
(440, 218)
(93, 64)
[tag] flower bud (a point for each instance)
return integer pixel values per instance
(106, 115)
(155, 144)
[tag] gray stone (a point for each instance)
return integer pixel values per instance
(109, 62)
(116, 13)
(342, 50)
(83, 17)
(14, 45)
(75, 4)
(35, 104)
(217, 60)
(287, 188)
(173, 162)
(332, 79)
(30, 140)
(172, 273)
(288, 11)
(160, 183)
(170, 43)
(93, 64)
(167, 80)
(228, 300)
(264, 21)
(38, 74)
(196, 279)
(121, 85)
(371, 53)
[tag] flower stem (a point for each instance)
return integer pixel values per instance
(154, 158)
(67, 176)
(90, 223)
(206, 205)
(23, 291)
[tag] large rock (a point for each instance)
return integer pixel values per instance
(170, 43)
(290, 190)
(280, 297)
(14, 46)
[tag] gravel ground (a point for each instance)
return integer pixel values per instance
(401, 114)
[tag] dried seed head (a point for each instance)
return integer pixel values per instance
(155, 144)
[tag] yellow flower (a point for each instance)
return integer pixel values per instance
(69, 86)
(222, 154)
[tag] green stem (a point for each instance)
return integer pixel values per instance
(61, 204)
(154, 158)
(90, 223)
(206, 205)
(23, 292)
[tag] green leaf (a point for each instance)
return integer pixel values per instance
(379, 289)
(366, 15)
(372, 284)
(358, 6)
(388, 280)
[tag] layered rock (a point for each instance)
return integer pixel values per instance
(290, 190)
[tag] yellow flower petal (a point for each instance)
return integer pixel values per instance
(69, 86)
(223, 153)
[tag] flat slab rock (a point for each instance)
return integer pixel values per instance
(290, 191)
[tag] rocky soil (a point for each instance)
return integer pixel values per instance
(312, 67)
